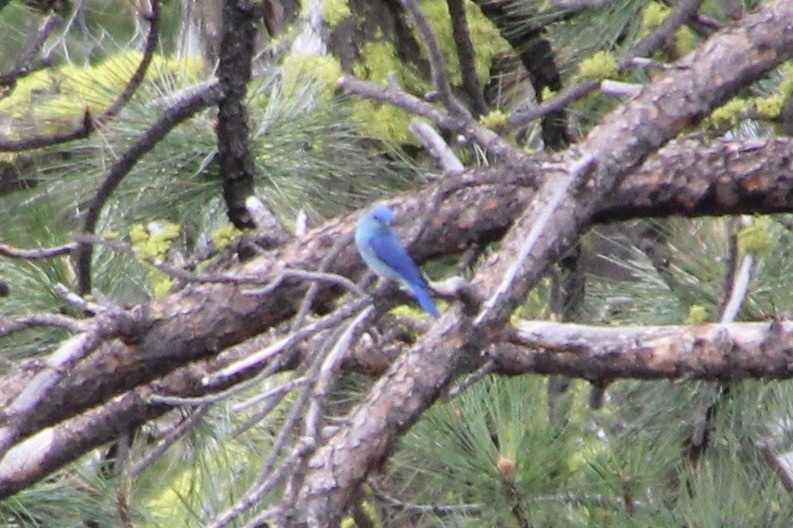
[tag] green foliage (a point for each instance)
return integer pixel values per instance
(601, 65)
(490, 443)
(63, 501)
(494, 120)
(697, 315)
(786, 84)
(324, 71)
(654, 15)
(729, 113)
(756, 238)
(686, 40)
(334, 11)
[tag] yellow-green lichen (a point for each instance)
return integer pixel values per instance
(494, 120)
(697, 315)
(769, 107)
(379, 59)
(601, 65)
(728, 114)
(382, 121)
(300, 69)
(371, 514)
(54, 97)
(653, 16)
(152, 243)
(225, 235)
(334, 11)
(547, 94)
(686, 40)
(161, 283)
(756, 238)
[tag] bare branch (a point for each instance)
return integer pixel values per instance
(440, 78)
(690, 352)
(436, 146)
(237, 164)
(177, 432)
(36, 254)
(465, 55)
(9, 325)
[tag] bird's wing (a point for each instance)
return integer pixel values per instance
(390, 250)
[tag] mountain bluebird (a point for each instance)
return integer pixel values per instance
(384, 253)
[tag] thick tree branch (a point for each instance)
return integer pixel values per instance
(234, 151)
(723, 352)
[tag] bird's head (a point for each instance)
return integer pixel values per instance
(381, 214)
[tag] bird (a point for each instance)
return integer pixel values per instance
(385, 254)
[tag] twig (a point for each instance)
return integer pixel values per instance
(737, 286)
(153, 17)
(36, 254)
(580, 5)
(311, 294)
(58, 363)
(330, 366)
(523, 117)
(619, 89)
(436, 146)
(781, 464)
(279, 390)
(271, 398)
(9, 325)
(577, 172)
(170, 438)
(643, 48)
(323, 370)
(256, 492)
(489, 140)
(286, 274)
(440, 79)
(465, 55)
(78, 302)
(254, 360)
(488, 367)
(437, 509)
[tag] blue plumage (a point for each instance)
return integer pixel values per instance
(384, 253)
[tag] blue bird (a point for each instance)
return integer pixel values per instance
(384, 253)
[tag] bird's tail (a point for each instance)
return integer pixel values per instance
(425, 301)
